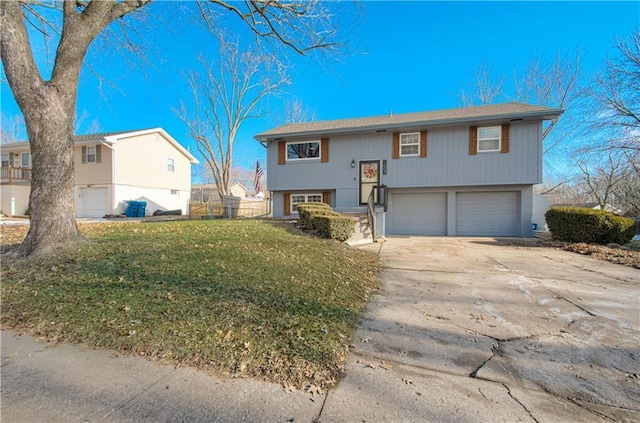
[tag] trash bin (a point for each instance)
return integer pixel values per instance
(132, 209)
(142, 207)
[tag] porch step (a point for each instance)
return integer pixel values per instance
(362, 231)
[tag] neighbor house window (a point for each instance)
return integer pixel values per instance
(171, 166)
(91, 154)
(25, 160)
(303, 198)
(174, 192)
(5, 160)
(410, 144)
(303, 150)
(489, 139)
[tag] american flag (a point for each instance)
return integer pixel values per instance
(257, 177)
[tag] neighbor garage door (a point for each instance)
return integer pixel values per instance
(94, 202)
(418, 214)
(488, 213)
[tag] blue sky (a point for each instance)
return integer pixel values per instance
(403, 56)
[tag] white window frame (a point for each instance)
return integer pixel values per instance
(22, 161)
(319, 142)
(489, 139)
(6, 158)
(93, 155)
(417, 143)
(308, 198)
(171, 164)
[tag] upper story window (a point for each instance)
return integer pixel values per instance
(410, 144)
(26, 162)
(5, 160)
(171, 165)
(303, 150)
(91, 154)
(489, 139)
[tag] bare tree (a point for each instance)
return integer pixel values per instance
(609, 180)
(617, 94)
(48, 104)
(486, 88)
(295, 112)
(13, 129)
(544, 82)
(224, 99)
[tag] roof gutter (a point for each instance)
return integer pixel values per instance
(547, 115)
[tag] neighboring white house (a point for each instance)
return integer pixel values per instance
(110, 170)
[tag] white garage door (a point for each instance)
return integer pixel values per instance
(418, 214)
(94, 202)
(488, 214)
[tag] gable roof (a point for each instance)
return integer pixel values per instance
(113, 137)
(459, 115)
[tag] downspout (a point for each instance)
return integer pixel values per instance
(265, 144)
(113, 175)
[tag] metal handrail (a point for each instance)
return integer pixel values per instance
(371, 216)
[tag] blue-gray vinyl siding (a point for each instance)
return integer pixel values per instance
(448, 162)
(448, 168)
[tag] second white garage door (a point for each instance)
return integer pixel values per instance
(488, 213)
(418, 214)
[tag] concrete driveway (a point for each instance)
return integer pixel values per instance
(480, 330)
(462, 330)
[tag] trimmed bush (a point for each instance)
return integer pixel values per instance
(306, 210)
(317, 204)
(575, 224)
(334, 227)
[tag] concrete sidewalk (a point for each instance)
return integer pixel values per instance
(63, 383)
(461, 330)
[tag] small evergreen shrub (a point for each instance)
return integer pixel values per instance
(306, 209)
(329, 224)
(575, 224)
(336, 227)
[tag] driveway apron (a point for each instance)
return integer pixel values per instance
(480, 329)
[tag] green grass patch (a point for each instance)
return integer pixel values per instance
(241, 298)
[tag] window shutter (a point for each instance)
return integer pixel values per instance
(287, 203)
(10, 159)
(324, 150)
(84, 154)
(423, 144)
(473, 140)
(396, 145)
(504, 146)
(326, 197)
(98, 153)
(282, 152)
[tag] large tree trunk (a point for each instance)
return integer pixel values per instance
(51, 202)
(49, 110)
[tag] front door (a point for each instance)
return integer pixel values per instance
(369, 177)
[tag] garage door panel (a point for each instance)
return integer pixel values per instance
(94, 202)
(488, 213)
(418, 214)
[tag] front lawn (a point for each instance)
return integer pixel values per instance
(240, 298)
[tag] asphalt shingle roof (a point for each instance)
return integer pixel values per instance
(493, 111)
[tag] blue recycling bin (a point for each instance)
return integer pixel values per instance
(142, 207)
(132, 209)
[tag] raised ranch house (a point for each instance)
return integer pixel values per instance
(110, 170)
(458, 172)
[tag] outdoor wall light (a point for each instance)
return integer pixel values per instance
(353, 163)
